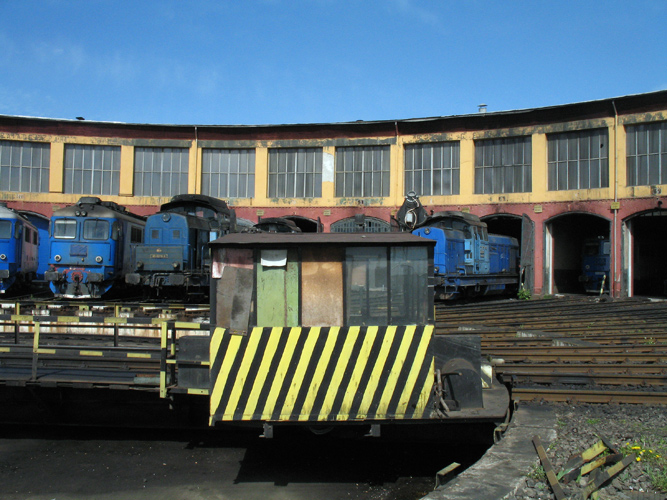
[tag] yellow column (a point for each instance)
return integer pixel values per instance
(56, 167)
(467, 157)
(261, 177)
(328, 175)
(396, 169)
(539, 167)
(126, 171)
(195, 169)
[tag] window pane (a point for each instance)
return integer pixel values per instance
(646, 154)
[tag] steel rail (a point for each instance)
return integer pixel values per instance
(589, 396)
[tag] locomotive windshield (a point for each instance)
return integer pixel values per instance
(5, 229)
(591, 249)
(64, 229)
(95, 229)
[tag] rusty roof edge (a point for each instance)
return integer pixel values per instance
(592, 103)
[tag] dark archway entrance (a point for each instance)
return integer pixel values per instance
(521, 228)
(647, 250)
(566, 236)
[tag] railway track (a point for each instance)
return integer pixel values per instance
(565, 349)
(571, 349)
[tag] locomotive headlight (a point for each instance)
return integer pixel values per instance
(175, 265)
(427, 231)
(77, 213)
(166, 217)
(3, 257)
(98, 259)
(57, 257)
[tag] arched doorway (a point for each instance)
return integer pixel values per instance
(645, 247)
(566, 236)
(522, 228)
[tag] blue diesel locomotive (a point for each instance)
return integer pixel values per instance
(468, 260)
(91, 248)
(19, 247)
(595, 265)
(174, 259)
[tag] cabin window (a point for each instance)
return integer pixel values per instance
(591, 249)
(432, 169)
(136, 234)
(366, 286)
(176, 234)
(5, 229)
(409, 290)
(578, 160)
(386, 286)
(64, 229)
(95, 229)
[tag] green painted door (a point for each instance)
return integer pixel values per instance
(278, 288)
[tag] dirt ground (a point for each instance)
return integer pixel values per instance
(73, 463)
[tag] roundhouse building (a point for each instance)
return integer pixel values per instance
(552, 177)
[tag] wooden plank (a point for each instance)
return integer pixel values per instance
(548, 469)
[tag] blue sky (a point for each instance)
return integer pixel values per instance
(316, 61)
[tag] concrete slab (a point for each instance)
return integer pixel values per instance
(500, 470)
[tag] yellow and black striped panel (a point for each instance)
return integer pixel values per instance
(321, 373)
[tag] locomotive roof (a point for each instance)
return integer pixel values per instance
(95, 207)
(10, 213)
(330, 239)
(468, 218)
(199, 200)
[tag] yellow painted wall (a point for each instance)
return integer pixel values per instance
(466, 198)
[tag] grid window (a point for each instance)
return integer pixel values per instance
(578, 160)
(362, 171)
(295, 173)
(92, 169)
(360, 224)
(24, 166)
(647, 154)
(503, 165)
(432, 169)
(160, 171)
(228, 173)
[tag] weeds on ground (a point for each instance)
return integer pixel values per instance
(652, 455)
(537, 473)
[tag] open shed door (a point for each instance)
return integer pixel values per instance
(527, 262)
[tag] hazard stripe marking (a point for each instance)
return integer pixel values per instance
(321, 373)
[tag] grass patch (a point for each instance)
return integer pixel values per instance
(652, 457)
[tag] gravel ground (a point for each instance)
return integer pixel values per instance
(626, 426)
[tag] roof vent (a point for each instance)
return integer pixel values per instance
(481, 108)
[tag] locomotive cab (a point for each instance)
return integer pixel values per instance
(325, 328)
(91, 247)
(18, 249)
